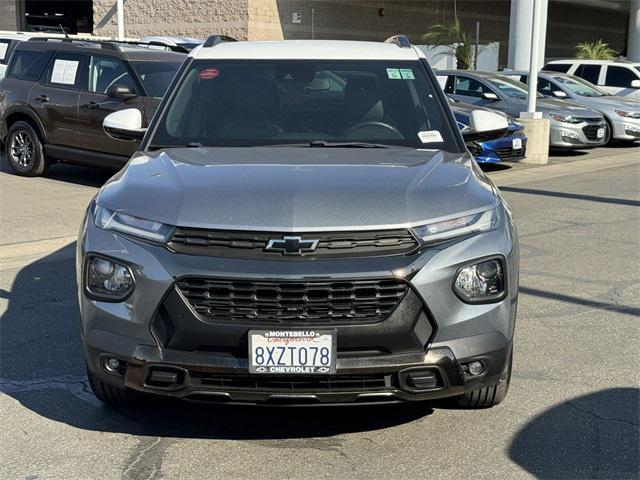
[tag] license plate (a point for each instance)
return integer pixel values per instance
(600, 133)
(295, 352)
(516, 143)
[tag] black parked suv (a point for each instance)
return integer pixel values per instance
(57, 92)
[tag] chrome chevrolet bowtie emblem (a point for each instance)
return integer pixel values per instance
(291, 245)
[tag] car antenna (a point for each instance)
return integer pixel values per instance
(66, 35)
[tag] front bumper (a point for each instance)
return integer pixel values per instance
(627, 129)
(430, 332)
(569, 136)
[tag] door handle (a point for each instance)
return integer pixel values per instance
(91, 105)
(42, 98)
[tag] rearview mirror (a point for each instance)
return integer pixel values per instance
(124, 124)
(119, 90)
(482, 122)
(559, 94)
(489, 96)
(635, 83)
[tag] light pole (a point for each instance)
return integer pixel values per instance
(120, 19)
(536, 128)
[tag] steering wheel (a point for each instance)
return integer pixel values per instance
(389, 129)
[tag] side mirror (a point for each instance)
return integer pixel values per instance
(635, 83)
(482, 122)
(124, 124)
(118, 90)
(559, 94)
(489, 96)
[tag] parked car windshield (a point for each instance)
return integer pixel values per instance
(511, 88)
(156, 75)
(275, 102)
(580, 87)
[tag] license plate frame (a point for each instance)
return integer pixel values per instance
(600, 133)
(275, 362)
(516, 144)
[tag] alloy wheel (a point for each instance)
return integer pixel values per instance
(21, 149)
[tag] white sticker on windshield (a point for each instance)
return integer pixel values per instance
(430, 136)
(64, 71)
(3, 50)
(393, 74)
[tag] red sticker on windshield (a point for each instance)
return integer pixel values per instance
(209, 73)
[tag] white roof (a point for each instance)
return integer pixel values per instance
(308, 50)
(595, 62)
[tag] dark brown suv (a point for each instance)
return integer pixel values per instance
(57, 92)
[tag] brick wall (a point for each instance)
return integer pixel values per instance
(8, 15)
(197, 18)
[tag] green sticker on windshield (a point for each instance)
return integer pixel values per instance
(393, 74)
(407, 74)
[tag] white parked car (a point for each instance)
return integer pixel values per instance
(614, 77)
(8, 41)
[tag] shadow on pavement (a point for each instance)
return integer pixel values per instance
(592, 436)
(42, 367)
(80, 175)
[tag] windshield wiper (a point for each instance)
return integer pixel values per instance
(325, 144)
(188, 145)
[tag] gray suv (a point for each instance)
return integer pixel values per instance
(302, 224)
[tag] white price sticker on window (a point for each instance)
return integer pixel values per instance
(3, 50)
(430, 136)
(64, 72)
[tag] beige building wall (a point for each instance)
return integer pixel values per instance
(194, 18)
(568, 24)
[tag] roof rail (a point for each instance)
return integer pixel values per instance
(106, 44)
(213, 40)
(400, 40)
(151, 45)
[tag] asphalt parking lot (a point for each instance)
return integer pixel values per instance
(572, 412)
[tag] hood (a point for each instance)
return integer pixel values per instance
(612, 101)
(298, 189)
(565, 107)
(558, 107)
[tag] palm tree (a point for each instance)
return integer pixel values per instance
(595, 51)
(453, 36)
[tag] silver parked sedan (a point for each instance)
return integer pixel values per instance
(622, 114)
(572, 125)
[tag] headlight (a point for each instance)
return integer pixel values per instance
(623, 113)
(565, 118)
(108, 280)
(456, 227)
(481, 282)
(130, 225)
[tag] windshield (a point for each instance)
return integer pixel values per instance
(511, 88)
(241, 103)
(156, 75)
(580, 86)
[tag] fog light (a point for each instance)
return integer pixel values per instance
(481, 282)
(108, 280)
(112, 365)
(476, 368)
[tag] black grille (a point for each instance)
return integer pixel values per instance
(243, 244)
(509, 153)
(272, 302)
(293, 383)
(591, 131)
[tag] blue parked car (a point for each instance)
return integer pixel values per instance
(511, 146)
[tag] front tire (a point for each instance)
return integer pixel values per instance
(24, 150)
(110, 394)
